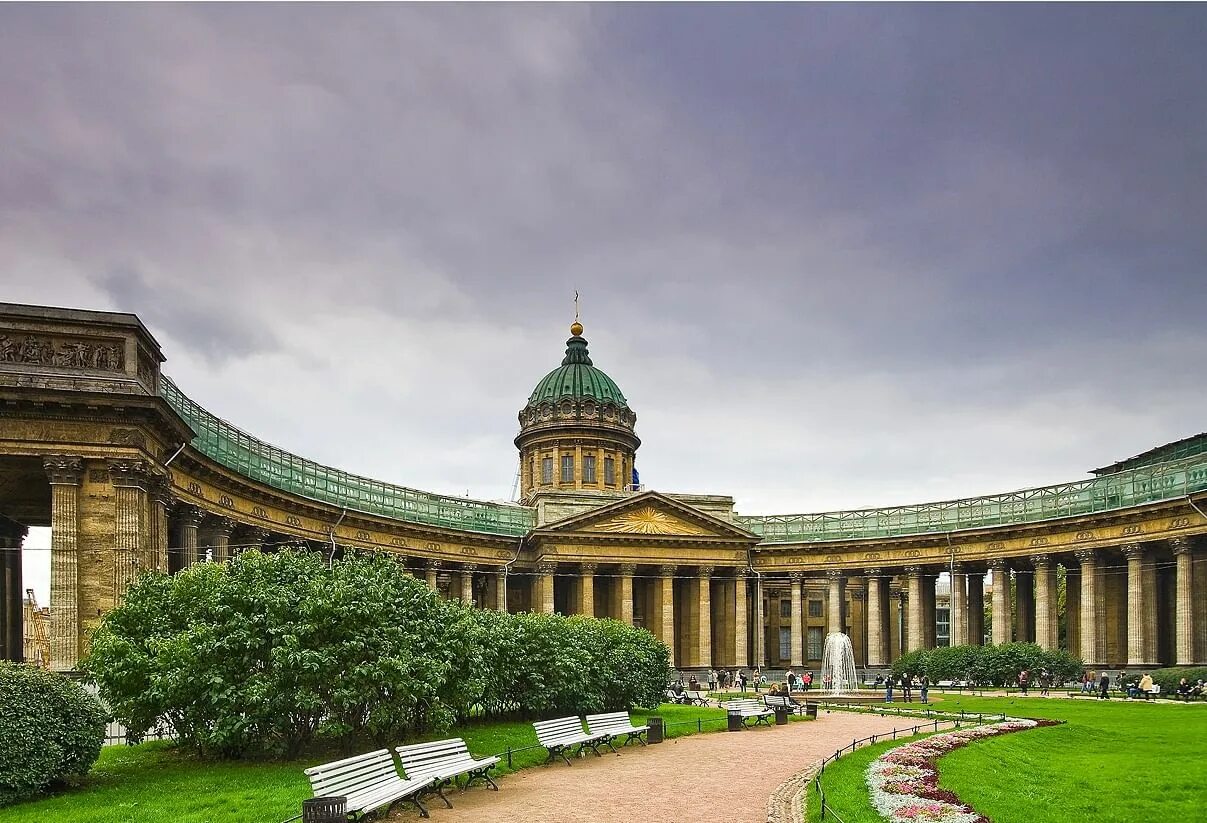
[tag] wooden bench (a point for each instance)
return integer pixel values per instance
(369, 781)
(750, 710)
(782, 701)
(697, 698)
(615, 724)
(563, 734)
(444, 761)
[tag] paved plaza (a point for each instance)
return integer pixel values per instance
(714, 777)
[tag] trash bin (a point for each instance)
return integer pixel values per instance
(811, 711)
(657, 732)
(325, 810)
(735, 721)
(781, 716)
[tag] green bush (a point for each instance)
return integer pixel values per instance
(51, 730)
(988, 665)
(1168, 678)
(268, 653)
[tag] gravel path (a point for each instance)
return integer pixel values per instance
(722, 777)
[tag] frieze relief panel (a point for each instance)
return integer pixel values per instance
(62, 352)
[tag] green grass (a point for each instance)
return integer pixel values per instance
(1108, 762)
(155, 781)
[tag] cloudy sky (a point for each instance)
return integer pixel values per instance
(835, 256)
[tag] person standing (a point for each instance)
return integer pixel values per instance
(924, 687)
(888, 688)
(758, 680)
(791, 681)
(1104, 686)
(808, 681)
(1024, 680)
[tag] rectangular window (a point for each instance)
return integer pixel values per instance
(815, 641)
(546, 470)
(567, 468)
(785, 608)
(785, 643)
(609, 471)
(588, 468)
(815, 608)
(942, 627)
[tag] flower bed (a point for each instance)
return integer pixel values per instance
(904, 782)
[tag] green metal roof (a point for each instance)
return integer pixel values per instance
(253, 458)
(577, 378)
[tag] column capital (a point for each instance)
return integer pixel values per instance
(999, 564)
(1041, 561)
(628, 569)
(705, 571)
(667, 571)
(1181, 545)
(835, 574)
(1086, 556)
(64, 470)
(161, 491)
(913, 571)
(796, 577)
(129, 472)
(588, 568)
(221, 524)
(741, 571)
(546, 567)
(1134, 551)
(434, 565)
(873, 573)
(187, 513)
(469, 567)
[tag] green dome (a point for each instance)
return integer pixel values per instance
(577, 378)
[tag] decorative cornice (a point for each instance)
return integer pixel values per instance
(64, 470)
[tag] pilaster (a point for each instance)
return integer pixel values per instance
(797, 658)
(664, 608)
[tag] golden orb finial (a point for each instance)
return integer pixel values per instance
(576, 328)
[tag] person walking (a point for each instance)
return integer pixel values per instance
(907, 687)
(1104, 686)
(758, 679)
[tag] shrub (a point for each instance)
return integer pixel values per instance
(268, 653)
(997, 665)
(1168, 678)
(51, 730)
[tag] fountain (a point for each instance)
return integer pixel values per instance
(839, 677)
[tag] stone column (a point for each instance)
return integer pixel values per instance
(958, 615)
(877, 617)
(12, 613)
(131, 520)
(429, 573)
(1137, 653)
(760, 645)
(542, 588)
(162, 501)
(836, 602)
(915, 632)
(467, 583)
(1088, 625)
(976, 608)
(1024, 606)
(501, 590)
(190, 517)
(1072, 609)
(1002, 630)
(929, 610)
(624, 593)
(65, 474)
(664, 608)
(797, 658)
(218, 535)
(704, 617)
(1184, 623)
(586, 589)
(740, 657)
(1047, 621)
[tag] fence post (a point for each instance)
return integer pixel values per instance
(509, 757)
(699, 725)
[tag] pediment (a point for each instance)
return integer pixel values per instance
(650, 514)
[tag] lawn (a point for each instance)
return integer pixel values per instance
(155, 781)
(1116, 761)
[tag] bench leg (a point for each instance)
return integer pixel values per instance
(480, 774)
(594, 747)
(439, 789)
(558, 751)
(419, 805)
(608, 741)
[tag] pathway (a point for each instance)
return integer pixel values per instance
(721, 777)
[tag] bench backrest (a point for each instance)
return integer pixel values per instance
(779, 700)
(352, 774)
(551, 731)
(610, 720)
(424, 759)
(742, 705)
(697, 695)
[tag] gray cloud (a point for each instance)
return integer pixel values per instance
(834, 255)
